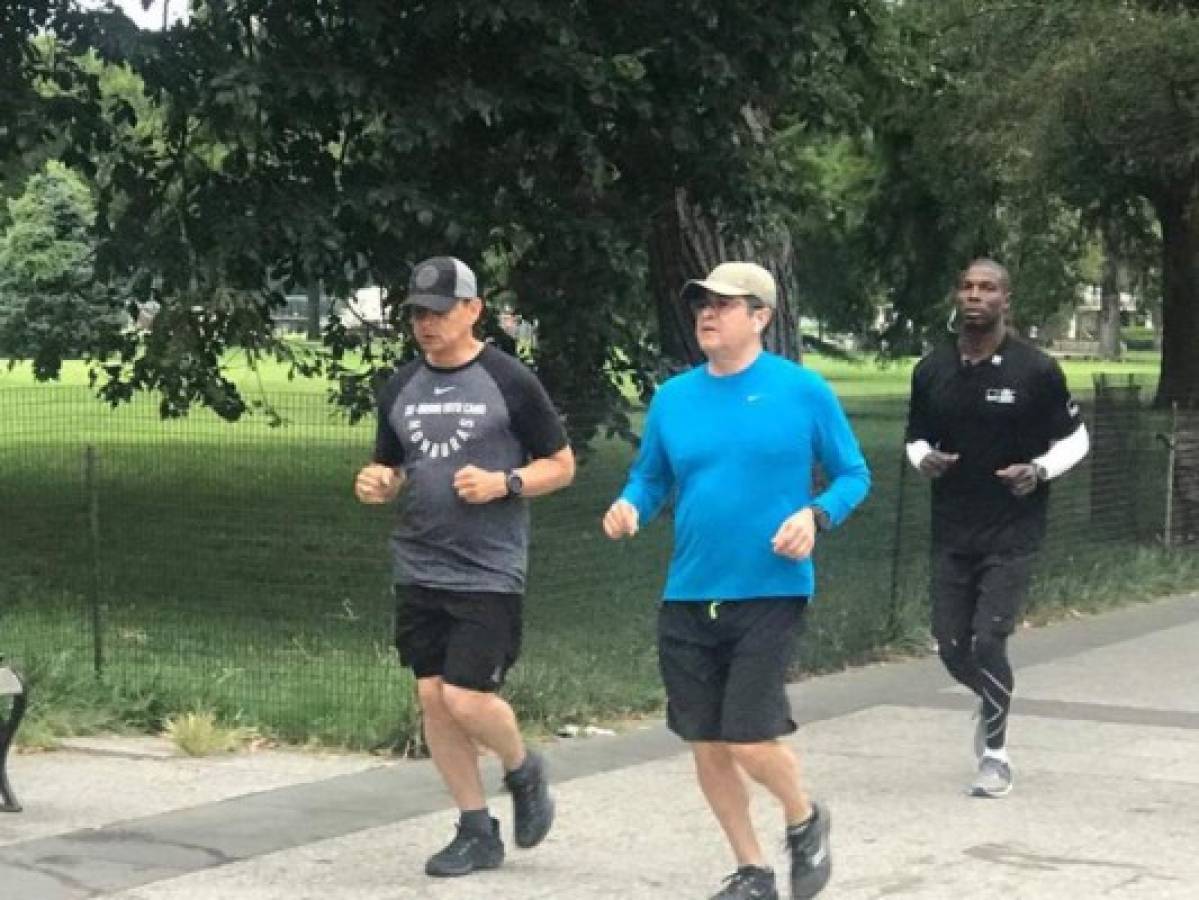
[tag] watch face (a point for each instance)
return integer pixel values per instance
(515, 484)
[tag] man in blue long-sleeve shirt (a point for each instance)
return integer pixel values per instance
(733, 442)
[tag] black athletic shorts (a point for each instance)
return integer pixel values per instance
(725, 665)
(976, 593)
(471, 639)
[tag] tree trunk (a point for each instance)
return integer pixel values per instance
(1155, 319)
(1178, 212)
(1109, 294)
(1151, 303)
(314, 310)
(685, 243)
(782, 337)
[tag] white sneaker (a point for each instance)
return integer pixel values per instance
(994, 778)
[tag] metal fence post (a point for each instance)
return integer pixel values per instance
(894, 625)
(1171, 445)
(1113, 457)
(90, 465)
(1184, 493)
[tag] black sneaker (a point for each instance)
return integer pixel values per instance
(749, 883)
(469, 850)
(811, 863)
(532, 805)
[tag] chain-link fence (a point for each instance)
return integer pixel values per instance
(208, 564)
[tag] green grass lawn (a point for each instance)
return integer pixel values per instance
(861, 376)
(867, 378)
(234, 571)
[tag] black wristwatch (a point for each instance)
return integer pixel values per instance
(516, 484)
(1042, 472)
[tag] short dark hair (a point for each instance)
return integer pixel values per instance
(1005, 278)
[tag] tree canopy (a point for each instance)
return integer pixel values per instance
(1020, 129)
(314, 140)
(585, 156)
(50, 304)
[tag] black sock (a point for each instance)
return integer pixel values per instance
(762, 870)
(476, 821)
(527, 770)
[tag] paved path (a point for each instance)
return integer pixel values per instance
(1105, 741)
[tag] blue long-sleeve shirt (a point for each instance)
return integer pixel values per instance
(737, 451)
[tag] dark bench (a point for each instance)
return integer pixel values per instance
(12, 687)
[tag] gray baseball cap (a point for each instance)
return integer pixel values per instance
(439, 282)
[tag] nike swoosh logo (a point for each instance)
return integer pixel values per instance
(438, 391)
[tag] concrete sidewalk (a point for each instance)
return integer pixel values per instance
(1105, 742)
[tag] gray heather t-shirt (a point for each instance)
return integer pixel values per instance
(492, 413)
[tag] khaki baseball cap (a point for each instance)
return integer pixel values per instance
(736, 279)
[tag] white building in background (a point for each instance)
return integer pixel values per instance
(365, 310)
(152, 17)
(1084, 323)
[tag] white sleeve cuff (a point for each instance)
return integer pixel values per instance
(1065, 454)
(917, 450)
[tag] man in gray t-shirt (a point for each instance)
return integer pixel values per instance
(466, 433)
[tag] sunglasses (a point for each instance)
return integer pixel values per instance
(720, 303)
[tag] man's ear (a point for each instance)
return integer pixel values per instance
(951, 323)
